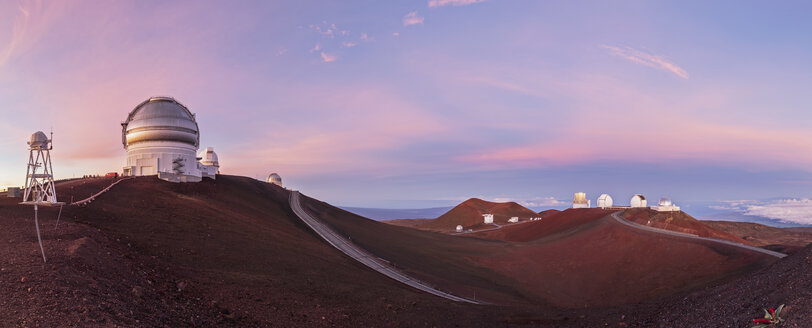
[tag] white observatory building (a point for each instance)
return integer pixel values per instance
(666, 205)
(274, 179)
(161, 138)
(488, 218)
(605, 201)
(209, 164)
(639, 201)
(580, 201)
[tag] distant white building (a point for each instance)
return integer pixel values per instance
(274, 179)
(459, 228)
(580, 201)
(605, 201)
(639, 201)
(666, 205)
(514, 219)
(488, 218)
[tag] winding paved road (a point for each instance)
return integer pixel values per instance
(635, 225)
(362, 256)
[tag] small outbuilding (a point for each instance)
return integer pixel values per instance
(514, 219)
(459, 228)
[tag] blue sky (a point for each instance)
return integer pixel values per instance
(372, 103)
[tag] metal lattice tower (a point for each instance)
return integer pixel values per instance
(39, 184)
(39, 179)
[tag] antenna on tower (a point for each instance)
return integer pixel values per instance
(39, 185)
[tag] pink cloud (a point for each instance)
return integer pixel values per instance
(456, 3)
(412, 19)
(327, 57)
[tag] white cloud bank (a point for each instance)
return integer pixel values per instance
(646, 59)
(785, 210)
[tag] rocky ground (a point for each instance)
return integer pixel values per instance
(167, 255)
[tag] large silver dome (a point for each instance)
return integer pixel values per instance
(160, 119)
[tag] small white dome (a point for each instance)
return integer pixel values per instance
(275, 179)
(665, 202)
(208, 157)
(38, 140)
(639, 201)
(605, 201)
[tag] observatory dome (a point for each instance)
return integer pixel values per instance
(665, 202)
(605, 201)
(639, 201)
(209, 157)
(275, 179)
(161, 138)
(160, 119)
(38, 140)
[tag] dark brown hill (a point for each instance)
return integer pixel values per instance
(678, 221)
(581, 258)
(231, 253)
(217, 253)
(552, 222)
(786, 240)
(469, 213)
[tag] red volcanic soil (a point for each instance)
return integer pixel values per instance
(469, 213)
(678, 221)
(217, 253)
(230, 252)
(546, 213)
(785, 240)
(575, 259)
(553, 222)
(411, 223)
(737, 302)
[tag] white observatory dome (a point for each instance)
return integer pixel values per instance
(208, 157)
(161, 137)
(160, 119)
(665, 202)
(38, 141)
(605, 201)
(275, 179)
(639, 201)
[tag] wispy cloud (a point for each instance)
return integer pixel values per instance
(366, 38)
(412, 19)
(650, 60)
(327, 57)
(456, 3)
(348, 44)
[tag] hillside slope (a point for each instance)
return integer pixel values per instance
(231, 253)
(785, 240)
(583, 261)
(469, 213)
(226, 253)
(678, 221)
